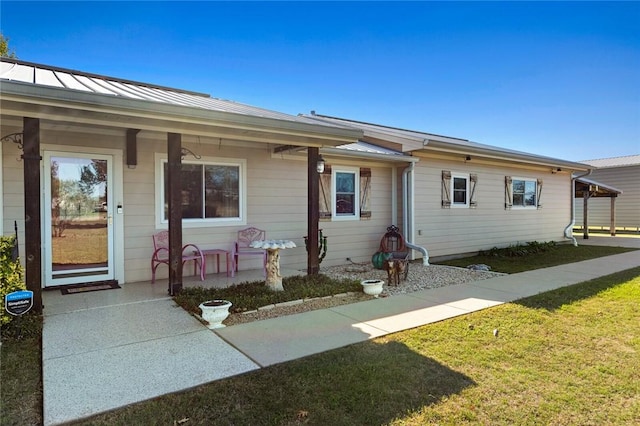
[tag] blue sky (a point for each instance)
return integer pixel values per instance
(550, 78)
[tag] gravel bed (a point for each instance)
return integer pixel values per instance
(420, 277)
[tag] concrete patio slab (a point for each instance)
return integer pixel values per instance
(57, 303)
(454, 293)
(387, 307)
(106, 327)
(295, 336)
(415, 318)
(80, 385)
(505, 284)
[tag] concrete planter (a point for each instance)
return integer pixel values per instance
(372, 287)
(214, 312)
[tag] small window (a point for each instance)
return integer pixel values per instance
(333, 205)
(524, 192)
(346, 191)
(459, 189)
(212, 192)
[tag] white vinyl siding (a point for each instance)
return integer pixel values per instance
(453, 231)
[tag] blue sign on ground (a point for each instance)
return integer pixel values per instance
(18, 302)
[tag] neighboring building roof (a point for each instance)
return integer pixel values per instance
(627, 160)
(43, 83)
(416, 140)
(598, 187)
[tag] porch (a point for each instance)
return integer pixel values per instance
(54, 302)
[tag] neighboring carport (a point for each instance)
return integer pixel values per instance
(586, 189)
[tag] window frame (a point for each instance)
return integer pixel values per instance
(162, 223)
(355, 171)
(523, 206)
(467, 194)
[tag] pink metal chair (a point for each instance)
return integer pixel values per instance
(161, 255)
(241, 247)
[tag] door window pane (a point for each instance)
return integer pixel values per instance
(79, 238)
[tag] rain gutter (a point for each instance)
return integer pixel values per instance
(407, 212)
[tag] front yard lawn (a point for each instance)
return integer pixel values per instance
(507, 260)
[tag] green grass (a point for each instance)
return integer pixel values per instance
(21, 372)
(252, 295)
(500, 261)
(563, 357)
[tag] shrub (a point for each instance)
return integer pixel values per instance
(11, 274)
(519, 250)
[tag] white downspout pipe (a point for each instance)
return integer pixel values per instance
(568, 231)
(407, 213)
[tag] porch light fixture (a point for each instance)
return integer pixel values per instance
(320, 164)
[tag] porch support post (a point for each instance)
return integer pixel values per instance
(612, 227)
(174, 177)
(313, 211)
(585, 210)
(132, 147)
(32, 217)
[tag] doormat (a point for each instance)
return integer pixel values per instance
(87, 287)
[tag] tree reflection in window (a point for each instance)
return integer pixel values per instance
(208, 191)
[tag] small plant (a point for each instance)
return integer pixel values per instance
(322, 248)
(11, 274)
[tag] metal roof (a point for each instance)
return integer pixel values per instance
(595, 187)
(368, 148)
(627, 160)
(82, 82)
(447, 143)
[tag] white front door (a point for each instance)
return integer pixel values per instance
(78, 218)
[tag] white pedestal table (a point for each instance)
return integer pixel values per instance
(273, 247)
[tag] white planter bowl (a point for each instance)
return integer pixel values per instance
(214, 312)
(372, 287)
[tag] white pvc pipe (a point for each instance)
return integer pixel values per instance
(407, 213)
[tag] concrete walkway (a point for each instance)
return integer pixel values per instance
(108, 349)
